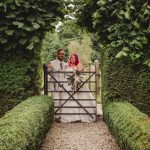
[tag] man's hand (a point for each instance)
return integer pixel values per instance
(49, 67)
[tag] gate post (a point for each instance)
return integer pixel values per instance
(97, 76)
(45, 80)
(89, 76)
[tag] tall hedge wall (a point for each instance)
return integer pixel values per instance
(20, 75)
(121, 79)
(22, 28)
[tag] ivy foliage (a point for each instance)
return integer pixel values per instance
(121, 25)
(23, 23)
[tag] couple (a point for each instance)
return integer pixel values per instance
(72, 65)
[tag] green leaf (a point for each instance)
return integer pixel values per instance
(125, 49)
(3, 41)
(135, 56)
(133, 33)
(121, 54)
(113, 44)
(17, 3)
(35, 39)
(30, 46)
(3, 28)
(119, 16)
(147, 62)
(101, 2)
(132, 7)
(127, 15)
(96, 15)
(110, 37)
(135, 23)
(12, 6)
(134, 42)
(9, 32)
(19, 24)
(49, 15)
(31, 19)
(28, 28)
(36, 26)
(23, 41)
(53, 24)
(95, 22)
(42, 10)
(144, 40)
(11, 16)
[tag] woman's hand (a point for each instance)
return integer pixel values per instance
(80, 67)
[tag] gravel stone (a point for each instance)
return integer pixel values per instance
(79, 136)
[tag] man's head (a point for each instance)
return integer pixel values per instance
(60, 54)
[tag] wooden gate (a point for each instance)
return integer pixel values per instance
(91, 78)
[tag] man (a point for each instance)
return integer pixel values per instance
(57, 65)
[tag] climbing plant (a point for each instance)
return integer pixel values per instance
(23, 23)
(121, 25)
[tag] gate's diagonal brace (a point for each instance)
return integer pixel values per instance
(72, 94)
(76, 91)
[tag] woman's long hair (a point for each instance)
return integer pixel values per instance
(77, 60)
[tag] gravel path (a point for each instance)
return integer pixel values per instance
(79, 136)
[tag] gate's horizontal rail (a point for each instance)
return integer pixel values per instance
(70, 72)
(75, 107)
(75, 114)
(73, 99)
(67, 82)
(73, 91)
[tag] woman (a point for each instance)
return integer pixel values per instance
(74, 82)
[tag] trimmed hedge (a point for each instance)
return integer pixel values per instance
(124, 81)
(17, 77)
(24, 127)
(130, 127)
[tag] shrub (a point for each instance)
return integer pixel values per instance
(130, 127)
(123, 80)
(24, 127)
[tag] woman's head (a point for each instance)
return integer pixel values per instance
(73, 60)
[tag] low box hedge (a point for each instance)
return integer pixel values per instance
(130, 127)
(24, 127)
